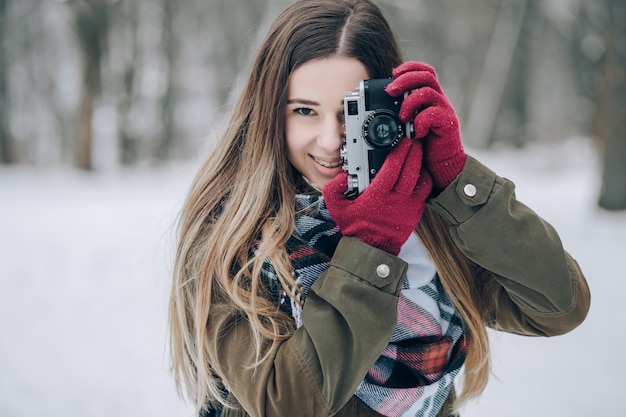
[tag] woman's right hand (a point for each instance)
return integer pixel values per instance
(387, 212)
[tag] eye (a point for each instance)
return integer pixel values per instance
(304, 111)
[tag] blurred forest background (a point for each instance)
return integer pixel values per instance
(103, 84)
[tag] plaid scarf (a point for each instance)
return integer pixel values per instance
(415, 373)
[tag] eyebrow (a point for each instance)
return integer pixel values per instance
(303, 101)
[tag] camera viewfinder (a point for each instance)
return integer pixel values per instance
(353, 108)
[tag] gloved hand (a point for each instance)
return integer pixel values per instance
(434, 120)
(387, 212)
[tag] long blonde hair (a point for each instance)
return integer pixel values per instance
(240, 209)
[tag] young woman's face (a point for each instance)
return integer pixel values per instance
(314, 117)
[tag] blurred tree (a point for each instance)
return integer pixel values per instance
(512, 116)
(168, 50)
(126, 23)
(91, 25)
(170, 64)
(235, 24)
(6, 140)
(500, 78)
(600, 55)
(610, 116)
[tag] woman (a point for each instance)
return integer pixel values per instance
(289, 299)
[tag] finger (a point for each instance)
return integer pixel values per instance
(412, 81)
(387, 177)
(336, 187)
(437, 119)
(408, 178)
(412, 66)
(415, 103)
(424, 184)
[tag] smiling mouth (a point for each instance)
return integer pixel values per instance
(328, 164)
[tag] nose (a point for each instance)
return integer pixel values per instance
(331, 136)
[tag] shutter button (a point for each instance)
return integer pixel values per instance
(383, 271)
(470, 190)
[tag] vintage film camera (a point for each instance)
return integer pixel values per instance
(372, 130)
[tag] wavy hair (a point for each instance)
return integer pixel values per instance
(244, 195)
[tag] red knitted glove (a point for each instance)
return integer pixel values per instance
(387, 212)
(434, 120)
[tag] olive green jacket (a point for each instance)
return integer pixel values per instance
(350, 312)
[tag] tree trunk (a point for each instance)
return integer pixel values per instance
(610, 119)
(84, 133)
(7, 155)
(497, 65)
(91, 28)
(511, 124)
(168, 125)
(127, 139)
(230, 36)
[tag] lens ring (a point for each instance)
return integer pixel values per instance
(382, 129)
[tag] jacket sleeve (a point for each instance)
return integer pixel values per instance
(348, 319)
(534, 287)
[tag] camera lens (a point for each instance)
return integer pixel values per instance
(382, 130)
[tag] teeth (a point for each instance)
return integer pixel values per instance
(327, 164)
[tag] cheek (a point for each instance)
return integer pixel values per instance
(295, 138)
(291, 141)
(289, 135)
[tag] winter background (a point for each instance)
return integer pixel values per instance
(85, 263)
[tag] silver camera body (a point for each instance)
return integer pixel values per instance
(372, 129)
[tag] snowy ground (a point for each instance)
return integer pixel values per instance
(84, 270)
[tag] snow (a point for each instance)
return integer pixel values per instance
(84, 278)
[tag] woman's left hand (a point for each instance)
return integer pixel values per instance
(387, 212)
(434, 119)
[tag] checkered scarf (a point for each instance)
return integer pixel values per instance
(415, 373)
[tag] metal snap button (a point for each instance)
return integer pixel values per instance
(383, 271)
(470, 190)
